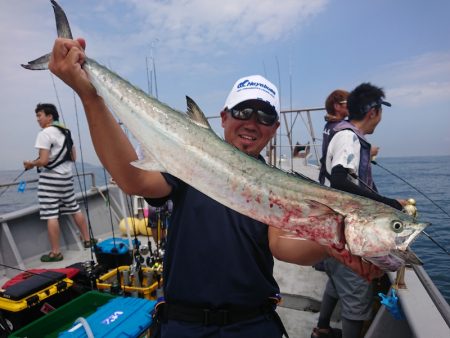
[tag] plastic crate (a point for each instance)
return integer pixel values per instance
(62, 318)
(121, 317)
(30, 299)
(147, 290)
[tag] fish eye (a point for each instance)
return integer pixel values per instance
(397, 226)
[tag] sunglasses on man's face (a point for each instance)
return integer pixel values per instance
(267, 119)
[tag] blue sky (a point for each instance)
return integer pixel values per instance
(200, 47)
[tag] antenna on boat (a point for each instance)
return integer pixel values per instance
(279, 95)
(149, 88)
(152, 76)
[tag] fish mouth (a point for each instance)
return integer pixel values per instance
(408, 256)
(395, 259)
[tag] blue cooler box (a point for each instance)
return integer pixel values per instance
(113, 252)
(120, 317)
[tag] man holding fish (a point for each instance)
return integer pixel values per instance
(216, 259)
(219, 257)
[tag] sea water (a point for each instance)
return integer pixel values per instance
(430, 175)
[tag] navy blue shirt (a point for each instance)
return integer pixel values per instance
(214, 255)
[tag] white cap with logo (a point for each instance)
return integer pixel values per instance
(253, 87)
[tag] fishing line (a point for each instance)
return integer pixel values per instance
(444, 249)
(22, 270)
(83, 171)
(368, 187)
(416, 189)
(57, 97)
(83, 191)
(108, 201)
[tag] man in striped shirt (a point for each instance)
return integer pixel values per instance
(55, 190)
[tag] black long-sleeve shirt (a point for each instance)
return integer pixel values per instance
(339, 180)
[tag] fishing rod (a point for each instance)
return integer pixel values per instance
(416, 189)
(13, 182)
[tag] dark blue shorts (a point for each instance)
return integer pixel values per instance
(265, 326)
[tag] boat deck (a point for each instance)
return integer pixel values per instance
(23, 239)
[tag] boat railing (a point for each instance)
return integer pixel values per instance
(281, 148)
(438, 299)
(9, 184)
(23, 237)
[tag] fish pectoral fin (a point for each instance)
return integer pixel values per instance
(318, 209)
(195, 114)
(149, 165)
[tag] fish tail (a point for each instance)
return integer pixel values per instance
(63, 30)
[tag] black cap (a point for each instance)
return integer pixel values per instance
(366, 108)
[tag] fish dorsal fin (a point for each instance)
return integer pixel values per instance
(195, 114)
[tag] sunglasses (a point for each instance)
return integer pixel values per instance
(267, 119)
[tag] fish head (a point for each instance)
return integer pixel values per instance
(381, 234)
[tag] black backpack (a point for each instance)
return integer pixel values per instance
(65, 154)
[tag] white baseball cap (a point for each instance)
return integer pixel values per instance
(253, 87)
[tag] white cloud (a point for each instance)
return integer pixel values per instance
(420, 80)
(429, 65)
(197, 26)
(422, 94)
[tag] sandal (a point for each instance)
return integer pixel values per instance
(330, 333)
(52, 257)
(90, 242)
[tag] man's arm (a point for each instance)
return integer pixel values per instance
(306, 252)
(343, 154)
(340, 180)
(41, 161)
(73, 154)
(112, 146)
(291, 250)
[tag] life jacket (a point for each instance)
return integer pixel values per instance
(327, 135)
(65, 154)
(365, 167)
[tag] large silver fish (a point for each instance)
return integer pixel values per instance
(185, 146)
